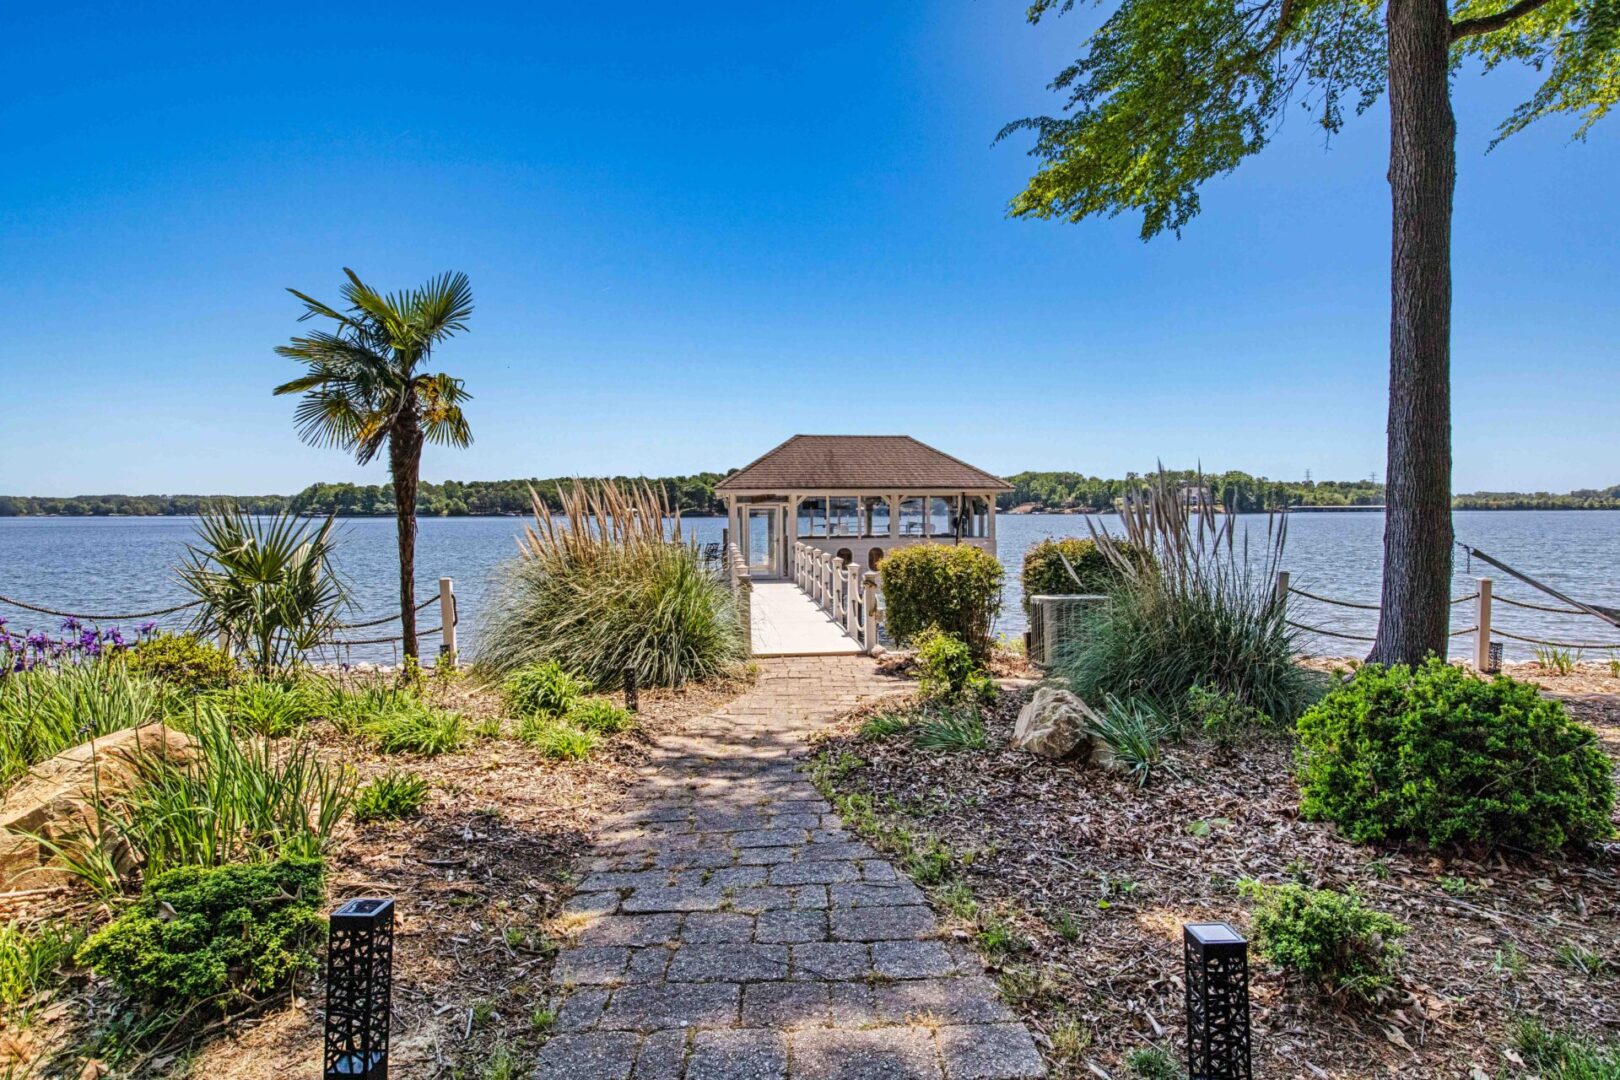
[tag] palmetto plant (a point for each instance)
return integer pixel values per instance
(364, 391)
(267, 583)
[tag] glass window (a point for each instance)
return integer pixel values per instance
(911, 516)
(813, 517)
(875, 515)
(843, 516)
(942, 516)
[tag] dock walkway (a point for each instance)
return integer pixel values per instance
(786, 622)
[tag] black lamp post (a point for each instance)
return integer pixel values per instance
(359, 976)
(632, 700)
(1217, 976)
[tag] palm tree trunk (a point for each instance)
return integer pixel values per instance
(1415, 611)
(405, 463)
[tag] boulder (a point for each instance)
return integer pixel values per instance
(1053, 724)
(55, 799)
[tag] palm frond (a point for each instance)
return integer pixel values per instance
(440, 308)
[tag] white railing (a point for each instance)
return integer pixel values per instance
(845, 591)
(742, 584)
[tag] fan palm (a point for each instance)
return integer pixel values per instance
(364, 391)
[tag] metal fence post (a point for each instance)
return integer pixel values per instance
(447, 617)
(1482, 639)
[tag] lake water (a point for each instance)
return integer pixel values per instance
(127, 564)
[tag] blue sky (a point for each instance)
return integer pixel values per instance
(693, 230)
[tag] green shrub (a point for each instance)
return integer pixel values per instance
(1558, 1055)
(955, 588)
(1152, 1063)
(30, 959)
(611, 595)
(414, 728)
(47, 710)
(1220, 714)
(1329, 937)
(184, 661)
(947, 671)
(1045, 572)
(1436, 754)
(1134, 731)
(237, 799)
(231, 932)
(542, 690)
(599, 715)
(556, 739)
(270, 707)
(954, 729)
(390, 797)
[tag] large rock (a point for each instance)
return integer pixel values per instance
(1053, 724)
(55, 799)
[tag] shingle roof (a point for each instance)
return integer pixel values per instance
(858, 463)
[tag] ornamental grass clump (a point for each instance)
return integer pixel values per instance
(556, 738)
(46, 710)
(608, 585)
(227, 934)
(1435, 753)
(239, 798)
(390, 797)
(955, 589)
(1202, 612)
(542, 690)
(1331, 938)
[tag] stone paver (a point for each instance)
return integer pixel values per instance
(732, 929)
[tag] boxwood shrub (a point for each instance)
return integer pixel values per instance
(235, 931)
(1329, 937)
(1046, 575)
(1434, 753)
(956, 588)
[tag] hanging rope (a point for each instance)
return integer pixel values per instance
(1365, 607)
(1539, 607)
(1577, 645)
(423, 606)
(96, 618)
(380, 640)
(1329, 633)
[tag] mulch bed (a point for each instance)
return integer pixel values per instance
(1492, 935)
(477, 880)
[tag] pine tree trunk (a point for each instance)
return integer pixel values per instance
(405, 463)
(1414, 618)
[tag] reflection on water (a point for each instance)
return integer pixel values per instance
(126, 564)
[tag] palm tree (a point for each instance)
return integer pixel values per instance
(363, 391)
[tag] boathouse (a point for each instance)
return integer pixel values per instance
(855, 497)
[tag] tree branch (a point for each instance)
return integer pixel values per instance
(1488, 24)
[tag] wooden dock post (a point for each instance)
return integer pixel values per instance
(1282, 588)
(447, 616)
(1482, 638)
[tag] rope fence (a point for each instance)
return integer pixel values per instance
(1482, 597)
(445, 597)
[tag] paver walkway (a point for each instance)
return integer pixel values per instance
(735, 931)
(786, 622)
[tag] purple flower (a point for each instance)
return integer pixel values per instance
(115, 637)
(147, 628)
(71, 625)
(38, 639)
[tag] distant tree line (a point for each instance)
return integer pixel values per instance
(1250, 494)
(695, 495)
(453, 498)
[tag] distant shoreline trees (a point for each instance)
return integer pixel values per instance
(694, 495)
